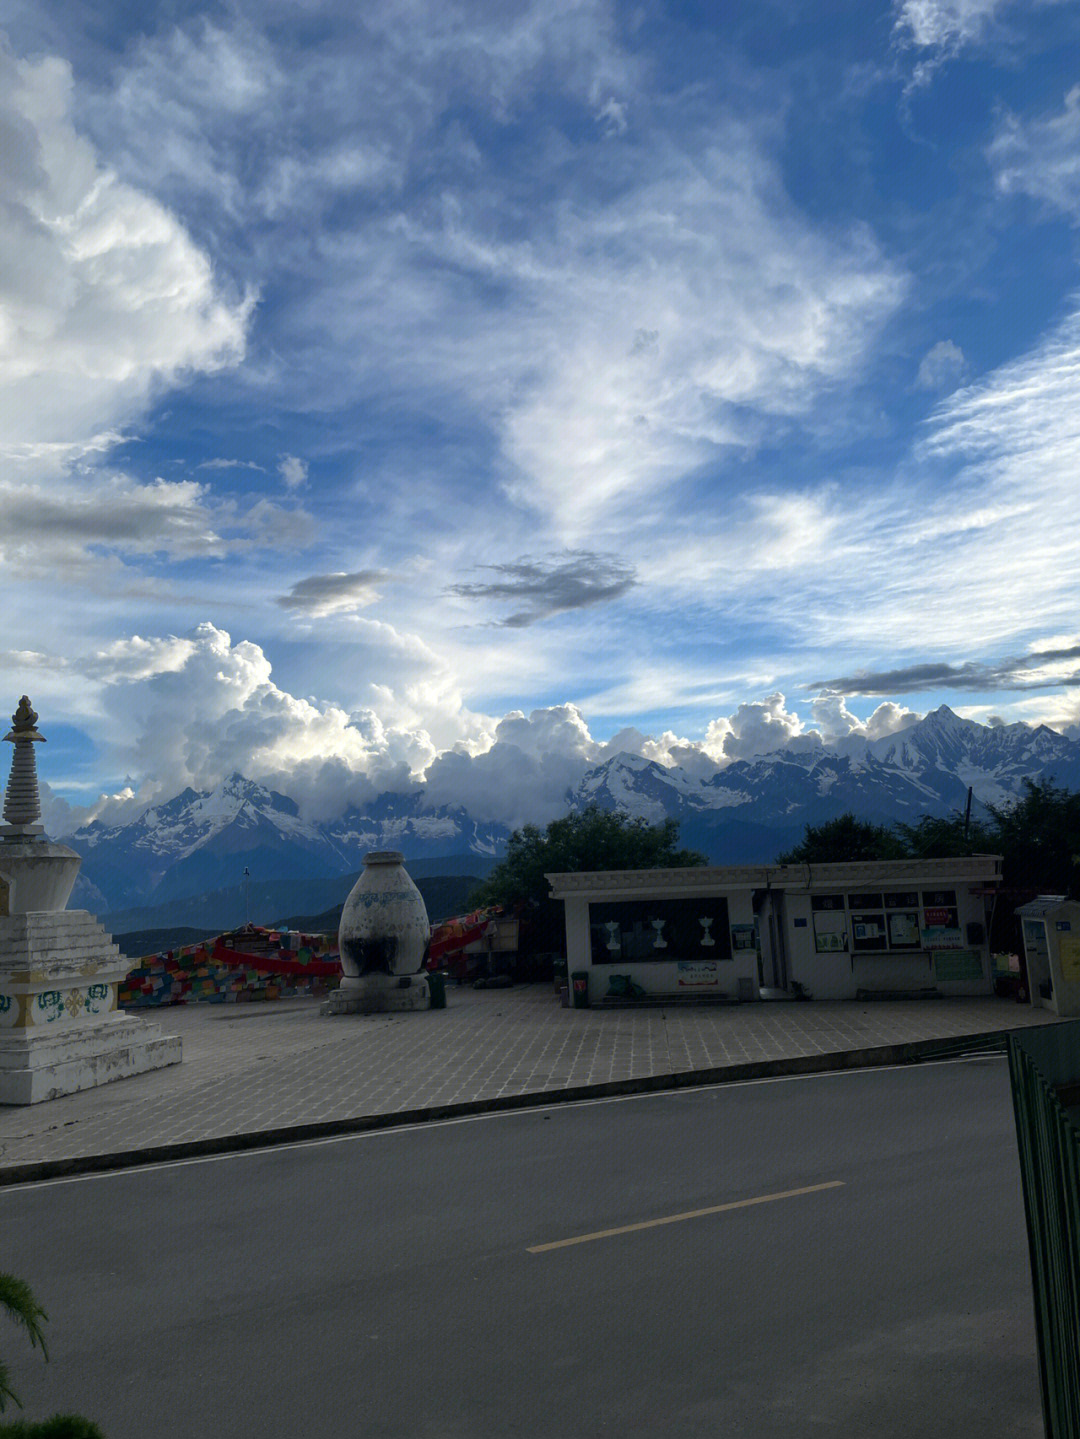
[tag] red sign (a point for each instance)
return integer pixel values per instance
(940, 917)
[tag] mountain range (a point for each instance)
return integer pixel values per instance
(195, 847)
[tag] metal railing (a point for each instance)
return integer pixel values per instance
(1044, 1068)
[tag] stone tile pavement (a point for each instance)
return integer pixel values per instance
(274, 1066)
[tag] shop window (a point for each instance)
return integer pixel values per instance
(644, 931)
(830, 923)
(868, 930)
(904, 929)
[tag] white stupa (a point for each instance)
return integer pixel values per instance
(60, 1028)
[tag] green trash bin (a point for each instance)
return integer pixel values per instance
(580, 989)
(436, 984)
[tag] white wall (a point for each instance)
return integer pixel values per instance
(840, 975)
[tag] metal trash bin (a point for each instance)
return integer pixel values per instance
(580, 991)
(437, 990)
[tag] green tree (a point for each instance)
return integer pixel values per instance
(1038, 837)
(592, 839)
(934, 837)
(843, 839)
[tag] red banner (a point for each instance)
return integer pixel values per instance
(267, 964)
(447, 944)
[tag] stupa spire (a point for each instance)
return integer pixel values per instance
(22, 803)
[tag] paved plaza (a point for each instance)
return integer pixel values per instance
(260, 1069)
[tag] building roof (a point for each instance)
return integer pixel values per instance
(977, 869)
(1041, 906)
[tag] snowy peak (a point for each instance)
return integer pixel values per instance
(746, 812)
(635, 785)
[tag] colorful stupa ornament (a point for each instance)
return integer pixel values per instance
(22, 803)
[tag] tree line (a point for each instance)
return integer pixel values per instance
(1037, 835)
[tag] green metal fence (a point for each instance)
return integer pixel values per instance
(1044, 1066)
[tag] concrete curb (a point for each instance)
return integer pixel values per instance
(912, 1051)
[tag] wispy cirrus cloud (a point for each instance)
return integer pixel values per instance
(1040, 156)
(946, 24)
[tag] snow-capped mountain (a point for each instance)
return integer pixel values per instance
(744, 813)
(200, 841)
(752, 808)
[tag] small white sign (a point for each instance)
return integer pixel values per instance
(698, 974)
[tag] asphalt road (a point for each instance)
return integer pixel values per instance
(418, 1283)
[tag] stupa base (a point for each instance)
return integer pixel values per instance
(41, 1067)
(378, 994)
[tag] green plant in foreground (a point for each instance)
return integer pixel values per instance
(17, 1300)
(60, 1426)
(23, 1309)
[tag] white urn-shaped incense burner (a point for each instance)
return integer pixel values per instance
(382, 939)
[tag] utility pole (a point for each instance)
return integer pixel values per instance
(247, 895)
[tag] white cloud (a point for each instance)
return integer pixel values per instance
(104, 299)
(947, 24)
(192, 710)
(189, 710)
(836, 723)
(749, 315)
(293, 471)
(338, 593)
(942, 367)
(70, 523)
(1041, 157)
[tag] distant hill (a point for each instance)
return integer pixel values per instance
(444, 896)
(266, 902)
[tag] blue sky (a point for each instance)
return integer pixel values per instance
(469, 391)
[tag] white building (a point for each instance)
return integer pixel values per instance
(831, 931)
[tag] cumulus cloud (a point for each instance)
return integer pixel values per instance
(293, 471)
(837, 725)
(942, 367)
(180, 710)
(574, 582)
(525, 775)
(757, 727)
(338, 593)
(192, 710)
(104, 298)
